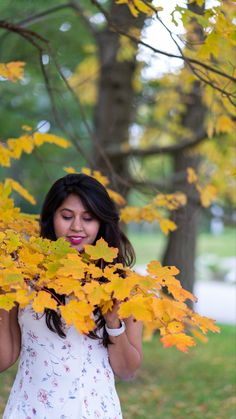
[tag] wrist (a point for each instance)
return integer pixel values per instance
(116, 331)
(115, 324)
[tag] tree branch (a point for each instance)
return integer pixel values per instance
(183, 145)
(71, 5)
(158, 51)
(38, 17)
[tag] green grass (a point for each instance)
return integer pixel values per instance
(173, 385)
(170, 384)
(151, 246)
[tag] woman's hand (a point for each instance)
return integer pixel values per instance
(111, 317)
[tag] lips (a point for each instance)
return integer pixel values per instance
(75, 240)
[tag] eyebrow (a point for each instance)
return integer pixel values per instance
(70, 210)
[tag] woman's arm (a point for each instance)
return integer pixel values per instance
(10, 338)
(125, 352)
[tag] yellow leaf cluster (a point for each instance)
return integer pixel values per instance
(30, 268)
(150, 212)
(84, 80)
(16, 186)
(137, 6)
(127, 49)
(14, 147)
(12, 71)
(96, 174)
(207, 193)
(11, 217)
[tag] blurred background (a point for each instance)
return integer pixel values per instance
(120, 88)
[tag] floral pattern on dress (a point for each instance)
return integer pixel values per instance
(60, 378)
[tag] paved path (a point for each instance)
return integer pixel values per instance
(216, 300)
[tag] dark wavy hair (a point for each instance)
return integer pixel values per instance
(97, 201)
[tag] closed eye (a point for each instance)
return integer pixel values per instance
(66, 217)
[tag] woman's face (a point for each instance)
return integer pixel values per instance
(75, 223)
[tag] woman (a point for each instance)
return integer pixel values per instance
(62, 373)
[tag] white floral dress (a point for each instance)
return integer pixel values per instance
(60, 378)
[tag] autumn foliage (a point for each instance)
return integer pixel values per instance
(30, 266)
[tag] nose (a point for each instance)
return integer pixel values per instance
(76, 224)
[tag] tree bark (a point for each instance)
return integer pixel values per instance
(181, 245)
(114, 110)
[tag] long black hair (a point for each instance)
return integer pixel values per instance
(97, 201)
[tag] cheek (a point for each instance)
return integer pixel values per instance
(59, 226)
(95, 229)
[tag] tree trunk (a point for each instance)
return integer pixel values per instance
(114, 112)
(181, 245)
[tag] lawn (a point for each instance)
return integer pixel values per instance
(149, 246)
(173, 385)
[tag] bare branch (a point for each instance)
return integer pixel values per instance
(38, 17)
(158, 51)
(29, 35)
(184, 144)
(46, 13)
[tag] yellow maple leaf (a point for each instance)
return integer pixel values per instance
(101, 250)
(41, 138)
(180, 340)
(225, 124)
(166, 309)
(155, 268)
(69, 169)
(149, 213)
(43, 300)
(72, 266)
(26, 128)
(207, 194)
(138, 307)
(30, 258)
(137, 6)
(191, 175)
(68, 286)
(12, 71)
(180, 294)
(7, 301)
(167, 225)
(130, 214)
(199, 335)
(94, 271)
(5, 156)
(16, 186)
(116, 197)
(175, 327)
(205, 323)
(23, 297)
(121, 287)
(19, 145)
(106, 306)
(13, 241)
(96, 174)
(96, 293)
(78, 313)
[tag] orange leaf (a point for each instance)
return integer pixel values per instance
(180, 340)
(12, 71)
